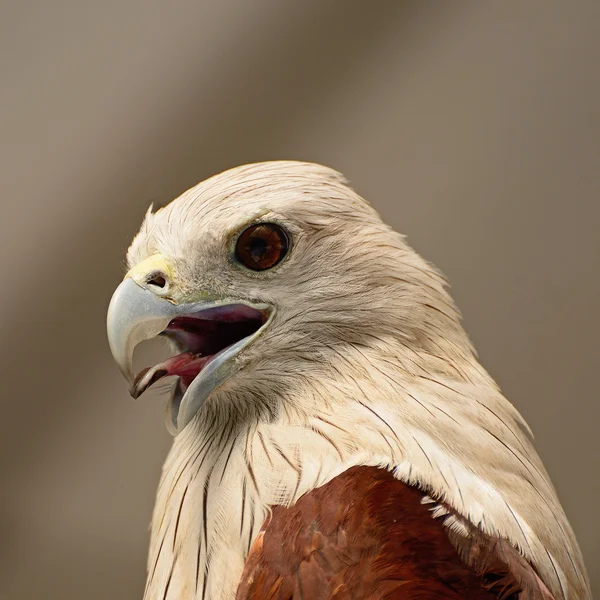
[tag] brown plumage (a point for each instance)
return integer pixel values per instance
(363, 535)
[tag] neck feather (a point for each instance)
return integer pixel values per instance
(445, 428)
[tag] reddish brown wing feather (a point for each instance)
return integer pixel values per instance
(363, 536)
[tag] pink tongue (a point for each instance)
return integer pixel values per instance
(186, 365)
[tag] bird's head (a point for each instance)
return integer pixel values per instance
(264, 276)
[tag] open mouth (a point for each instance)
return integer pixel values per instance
(207, 337)
(201, 338)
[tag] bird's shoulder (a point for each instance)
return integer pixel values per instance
(364, 535)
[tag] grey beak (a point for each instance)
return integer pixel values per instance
(135, 314)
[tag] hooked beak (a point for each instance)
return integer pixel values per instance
(208, 336)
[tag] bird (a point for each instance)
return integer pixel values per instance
(335, 435)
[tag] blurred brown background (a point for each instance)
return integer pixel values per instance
(474, 127)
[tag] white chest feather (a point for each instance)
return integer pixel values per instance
(216, 487)
(214, 497)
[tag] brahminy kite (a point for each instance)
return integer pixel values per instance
(335, 434)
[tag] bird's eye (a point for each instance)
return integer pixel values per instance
(261, 246)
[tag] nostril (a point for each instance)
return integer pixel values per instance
(156, 279)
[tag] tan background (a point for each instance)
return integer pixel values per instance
(473, 126)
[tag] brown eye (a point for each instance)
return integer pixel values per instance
(261, 246)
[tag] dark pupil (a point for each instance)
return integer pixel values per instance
(257, 248)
